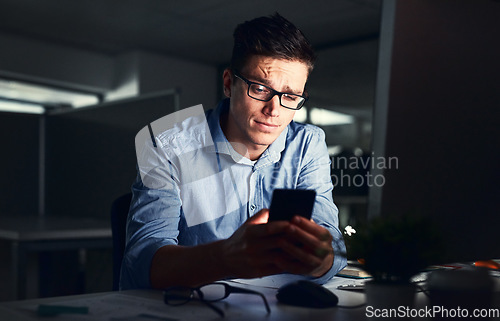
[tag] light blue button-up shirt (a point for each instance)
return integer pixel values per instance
(198, 189)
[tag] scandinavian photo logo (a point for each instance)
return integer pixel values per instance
(361, 171)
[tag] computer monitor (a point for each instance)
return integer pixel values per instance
(437, 112)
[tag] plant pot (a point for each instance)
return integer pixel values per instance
(387, 300)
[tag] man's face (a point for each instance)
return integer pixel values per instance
(256, 124)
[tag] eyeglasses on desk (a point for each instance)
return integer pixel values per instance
(212, 292)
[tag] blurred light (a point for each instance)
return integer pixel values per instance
(325, 117)
(300, 115)
(334, 150)
(44, 95)
(358, 152)
(16, 107)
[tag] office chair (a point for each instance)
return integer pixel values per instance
(119, 213)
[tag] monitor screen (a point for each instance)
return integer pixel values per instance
(436, 111)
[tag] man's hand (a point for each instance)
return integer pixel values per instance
(251, 251)
(257, 249)
(310, 247)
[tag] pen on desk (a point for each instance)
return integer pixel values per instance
(51, 310)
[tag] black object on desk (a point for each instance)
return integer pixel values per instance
(306, 294)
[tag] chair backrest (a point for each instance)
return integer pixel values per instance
(119, 213)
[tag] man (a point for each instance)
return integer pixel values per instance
(199, 208)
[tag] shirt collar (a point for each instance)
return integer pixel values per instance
(221, 145)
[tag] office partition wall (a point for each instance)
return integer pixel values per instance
(19, 163)
(90, 157)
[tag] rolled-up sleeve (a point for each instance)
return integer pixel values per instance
(152, 222)
(154, 215)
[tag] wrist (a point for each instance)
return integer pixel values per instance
(216, 260)
(220, 260)
(325, 266)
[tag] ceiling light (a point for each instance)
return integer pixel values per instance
(44, 95)
(17, 107)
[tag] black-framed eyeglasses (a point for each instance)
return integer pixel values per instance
(179, 295)
(264, 93)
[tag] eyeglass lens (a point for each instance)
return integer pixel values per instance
(214, 292)
(263, 93)
(218, 291)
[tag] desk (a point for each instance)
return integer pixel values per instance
(129, 304)
(34, 234)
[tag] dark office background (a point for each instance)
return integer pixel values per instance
(151, 56)
(134, 51)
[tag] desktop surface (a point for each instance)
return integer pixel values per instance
(34, 228)
(149, 305)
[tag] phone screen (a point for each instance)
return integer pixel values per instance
(286, 203)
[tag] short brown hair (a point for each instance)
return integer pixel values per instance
(272, 36)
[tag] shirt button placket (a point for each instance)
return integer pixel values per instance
(251, 196)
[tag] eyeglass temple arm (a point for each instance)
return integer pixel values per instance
(242, 290)
(213, 307)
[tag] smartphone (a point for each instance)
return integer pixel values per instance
(286, 203)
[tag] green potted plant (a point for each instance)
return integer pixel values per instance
(393, 250)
